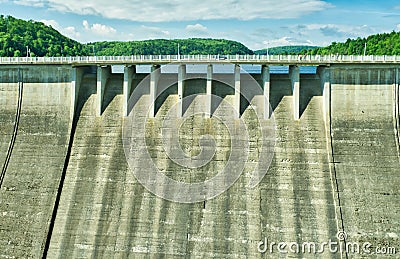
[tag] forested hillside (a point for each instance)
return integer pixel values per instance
(170, 47)
(285, 50)
(378, 44)
(16, 35)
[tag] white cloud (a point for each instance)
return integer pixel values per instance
(99, 29)
(279, 42)
(305, 34)
(69, 31)
(87, 32)
(342, 30)
(287, 41)
(189, 10)
(34, 3)
(51, 23)
(153, 32)
(86, 25)
(196, 28)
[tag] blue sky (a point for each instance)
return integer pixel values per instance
(255, 23)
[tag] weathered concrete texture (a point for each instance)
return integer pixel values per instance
(31, 180)
(8, 107)
(103, 76)
(294, 74)
(96, 182)
(297, 202)
(105, 213)
(366, 152)
(129, 76)
(265, 82)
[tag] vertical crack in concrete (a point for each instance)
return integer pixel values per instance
(16, 124)
(335, 183)
(60, 187)
(61, 183)
(396, 112)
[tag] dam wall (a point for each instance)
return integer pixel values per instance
(69, 191)
(33, 172)
(364, 129)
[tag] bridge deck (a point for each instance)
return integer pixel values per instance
(306, 60)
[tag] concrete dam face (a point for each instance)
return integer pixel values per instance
(76, 182)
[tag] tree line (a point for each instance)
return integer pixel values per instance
(30, 38)
(22, 38)
(378, 44)
(285, 50)
(192, 46)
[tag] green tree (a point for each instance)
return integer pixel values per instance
(16, 34)
(378, 44)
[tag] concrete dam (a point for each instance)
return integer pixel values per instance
(73, 181)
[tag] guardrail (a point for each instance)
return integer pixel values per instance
(154, 59)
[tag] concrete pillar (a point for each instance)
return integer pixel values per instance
(237, 90)
(154, 77)
(181, 88)
(265, 76)
(209, 90)
(103, 75)
(324, 75)
(294, 75)
(76, 80)
(397, 106)
(129, 73)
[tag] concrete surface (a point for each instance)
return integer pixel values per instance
(30, 184)
(365, 152)
(336, 166)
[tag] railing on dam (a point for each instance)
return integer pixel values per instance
(242, 59)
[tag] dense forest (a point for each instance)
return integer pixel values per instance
(285, 50)
(170, 47)
(378, 44)
(19, 36)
